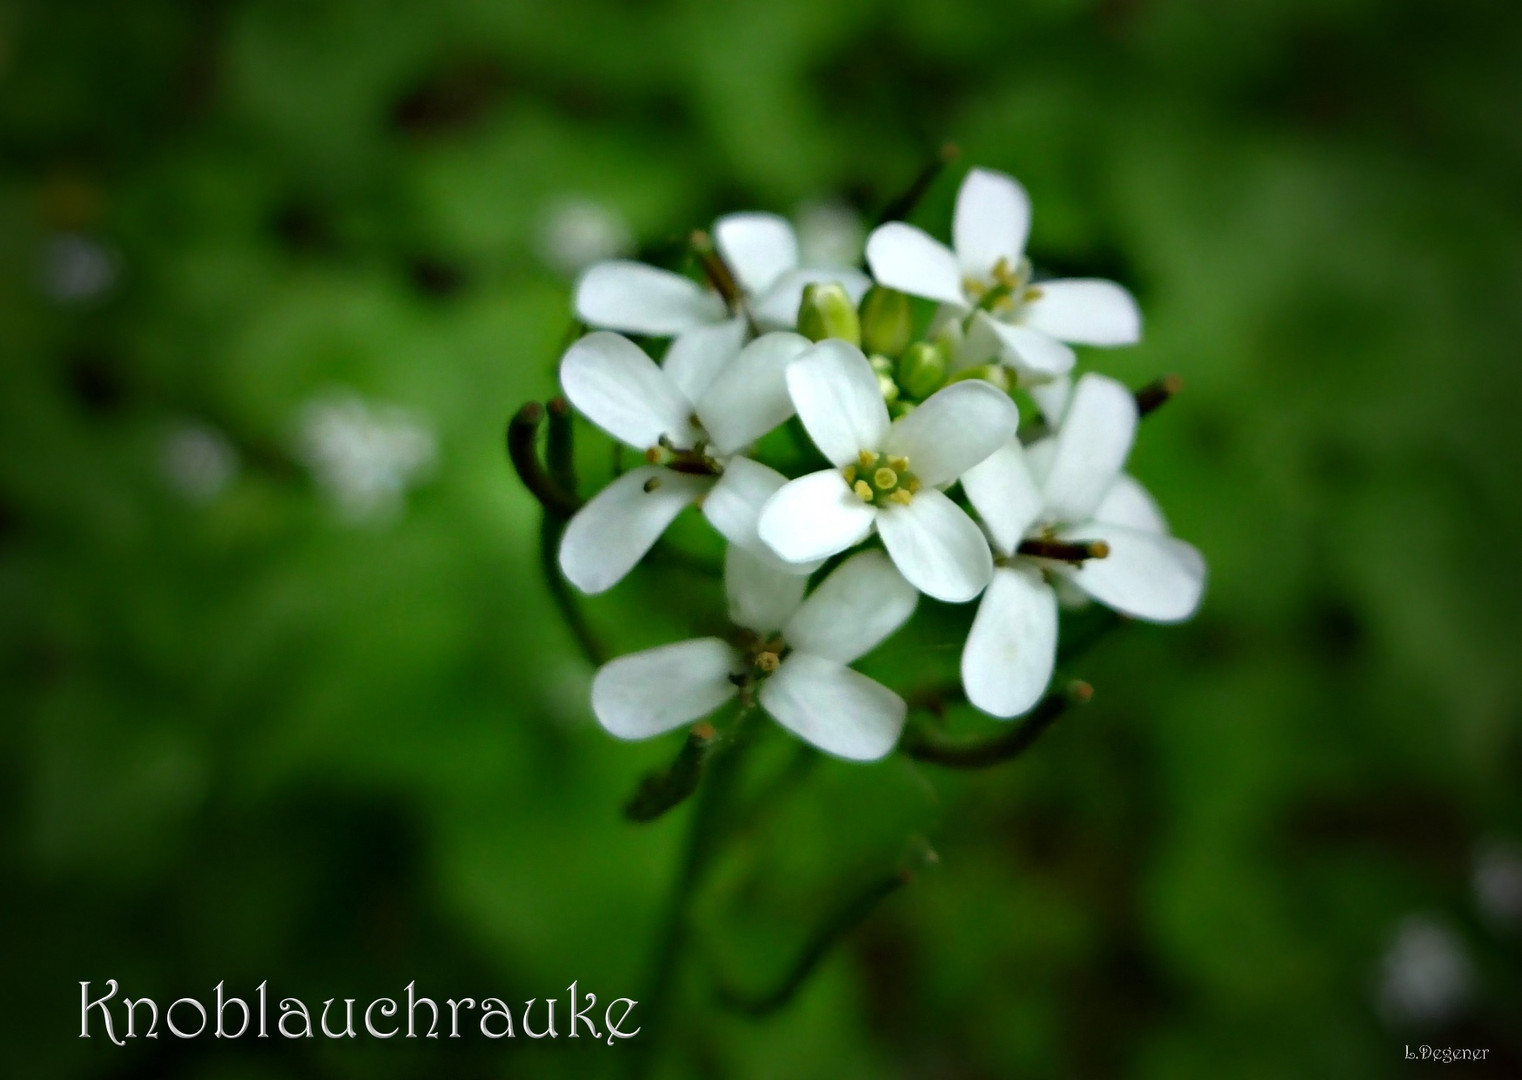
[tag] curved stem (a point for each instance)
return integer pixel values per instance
(925, 745)
(831, 931)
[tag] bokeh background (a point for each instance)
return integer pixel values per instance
(285, 695)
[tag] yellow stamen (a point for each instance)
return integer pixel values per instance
(768, 661)
(902, 497)
(898, 464)
(867, 459)
(849, 472)
(1032, 294)
(913, 485)
(863, 490)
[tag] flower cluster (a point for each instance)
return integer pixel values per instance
(909, 384)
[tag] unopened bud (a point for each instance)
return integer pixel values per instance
(921, 370)
(826, 311)
(886, 321)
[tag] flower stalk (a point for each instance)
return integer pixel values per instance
(922, 744)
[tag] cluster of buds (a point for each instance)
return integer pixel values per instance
(908, 380)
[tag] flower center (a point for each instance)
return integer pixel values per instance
(696, 461)
(1007, 290)
(881, 480)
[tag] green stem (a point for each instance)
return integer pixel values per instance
(830, 932)
(715, 791)
(901, 207)
(566, 601)
(924, 744)
(660, 791)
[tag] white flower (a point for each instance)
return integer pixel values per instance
(988, 271)
(888, 476)
(1065, 490)
(365, 457)
(761, 249)
(198, 462)
(1426, 976)
(575, 233)
(797, 650)
(689, 417)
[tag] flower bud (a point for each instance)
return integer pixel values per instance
(886, 322)
(921, 370)
(826, 311)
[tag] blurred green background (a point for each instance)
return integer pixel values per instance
(285, 696)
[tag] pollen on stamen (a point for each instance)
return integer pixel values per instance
(653, 455)
(899, 463)
(913, 485)
(1032, 294)
(768, 661)
(863, 490)
(849, 472)
(902, 497)
(866, 459)
(1098, 549)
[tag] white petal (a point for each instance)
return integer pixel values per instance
(838, 399)
(813, 517)
(910, 260)
(840, 711)
(862, 601)
(1031, 351)
(980, 343)
(1091, 448)
(952, 430)
(750, 396)
(1128, 503)
(696, 357)
(1038, 458)
(651, 692)
(763, 592)
(1147, 576)
(992, 220)
(734, 503)
(612, 532)
(1012, 647)
(1052, 397)
(1005, 495)
(759, 248)
(640, 299)
(937, 547)
(777, 307)
(615, 385)
(1086, 311)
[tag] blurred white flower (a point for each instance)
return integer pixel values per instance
(574, 233)
(1068, 490)
(689, 416)
(829, 234)
(761, 249)
(888, 475)
(198, 462)
(1497, 880)
(76, 269)
(988, 276)
(1426, 975)
(797, 650)
(363, 457)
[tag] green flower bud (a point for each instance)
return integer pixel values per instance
(995, 373)
(921, 370)
(886, 322)
(826, 311)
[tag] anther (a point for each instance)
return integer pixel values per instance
(1155, 394)
(849, 472)
(863, 490)
(902, 497)
(651, 484)
(1069, 551)
(899, 463)
(866, 459)
(768, 661)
